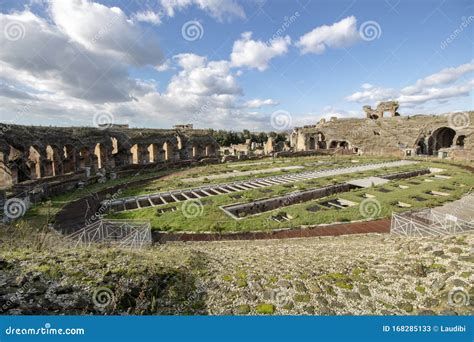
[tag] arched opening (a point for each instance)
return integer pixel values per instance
(115, 148)
(153, 153)
(321, 140)
(85, 159)
(34, 162)
(441, 138)
(344, 145)
(134, 152)
(53, 161)
(101, 154)
(198, 151)
(168, 148)
(69, 160)
(460, 141)
(421, 146)
(312, 143)
(333, 144)
(210, 151)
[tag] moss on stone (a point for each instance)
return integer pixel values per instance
(265, 309)
(243, 309)
(302, 297)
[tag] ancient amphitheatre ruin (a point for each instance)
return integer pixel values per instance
(130, 187)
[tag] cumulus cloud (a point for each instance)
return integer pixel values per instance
(256, 53)
(441, 86)
(60, 65)
(444, 76)
(148, 17)
(219, 9)
(371, 94)
(258, 103)
(338, 35)
(105, 30)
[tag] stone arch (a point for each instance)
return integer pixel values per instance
(344, 144)
(443, 137)
(115, 148)
(34, 162)
(312, 143)
(69, 158)
(101, 153)
(85, 157)
(53, 161)
(321, 140)
(460, 140)
(421, 145)
(169, 150)
(153, 153)
(198, 151)
(210, 150)
(134, 151)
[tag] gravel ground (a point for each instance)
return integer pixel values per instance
(373, 274)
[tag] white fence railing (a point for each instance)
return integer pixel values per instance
(122, 233)
(428, 222)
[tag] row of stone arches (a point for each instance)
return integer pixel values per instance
(36, 161)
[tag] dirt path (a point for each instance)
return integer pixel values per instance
(376, 226)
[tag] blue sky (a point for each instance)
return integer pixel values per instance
(81, 62)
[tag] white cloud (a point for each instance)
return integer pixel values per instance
(258, 103)
(372, 94)
(219, 9)
(441, 86)
(148, 17)
(105, 30)
(439, 94)
(444, 76)
(256, 53)
(338, 35)
(59, 65)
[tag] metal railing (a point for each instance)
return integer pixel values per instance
(428, 222)
(122, 233)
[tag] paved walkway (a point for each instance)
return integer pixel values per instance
(241, 173)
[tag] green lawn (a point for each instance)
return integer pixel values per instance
(210, 217)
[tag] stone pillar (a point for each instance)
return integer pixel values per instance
(143, 155)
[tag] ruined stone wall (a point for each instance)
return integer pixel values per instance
(425, 134)
(32, 153)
